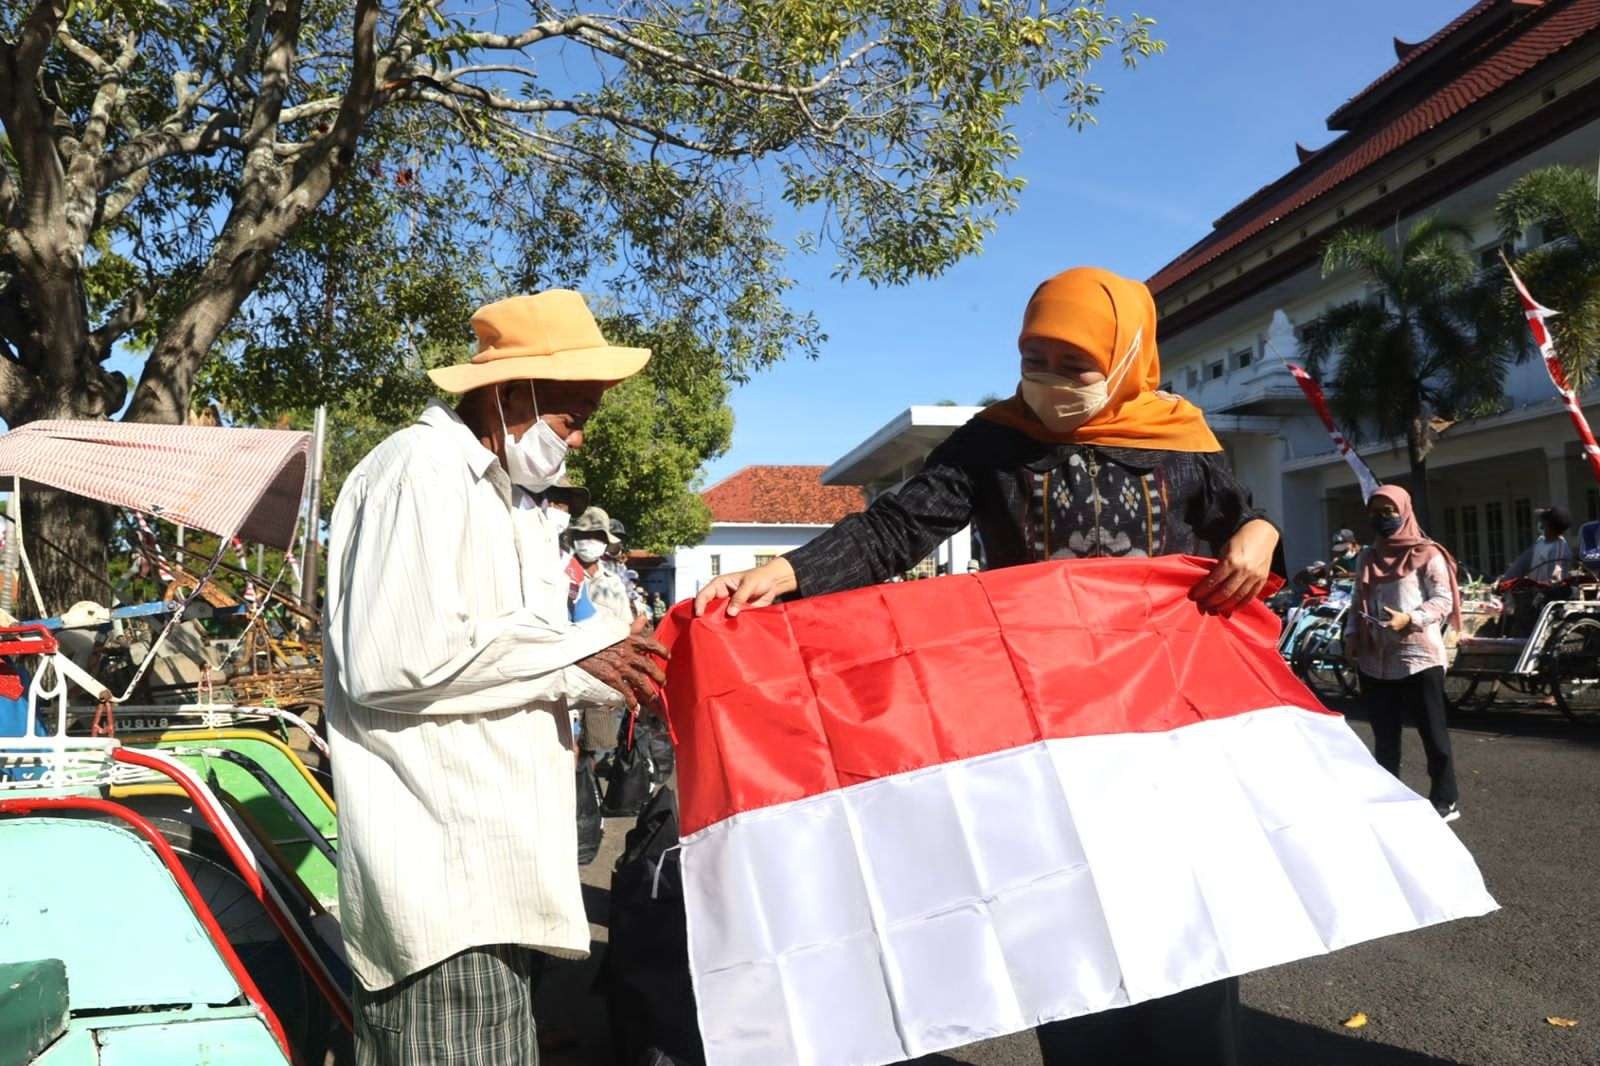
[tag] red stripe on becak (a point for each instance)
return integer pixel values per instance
(781, 703)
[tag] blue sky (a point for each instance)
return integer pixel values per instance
(1179, 141)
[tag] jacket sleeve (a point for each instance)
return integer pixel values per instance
(401, 636)
(1222, 505)
(1520, 567)
(894, 534)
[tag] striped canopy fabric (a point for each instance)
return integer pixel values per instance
(231, 482)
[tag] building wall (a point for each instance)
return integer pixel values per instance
(729, 547)
(1294, 473)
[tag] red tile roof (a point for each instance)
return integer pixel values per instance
(1494, 65)
(1408, 54)
(782, 495)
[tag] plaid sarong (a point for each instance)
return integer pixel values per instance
(473, 1009)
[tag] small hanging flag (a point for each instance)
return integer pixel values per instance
(1536, 314)
(1313, 391)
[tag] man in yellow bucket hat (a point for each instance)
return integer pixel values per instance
(451, 664)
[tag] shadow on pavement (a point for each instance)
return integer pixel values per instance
(1505, 718)
(1273, 1041)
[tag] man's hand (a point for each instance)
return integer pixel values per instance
(628, 667)
(755, 588)
(1242, 571)
(1398, 620)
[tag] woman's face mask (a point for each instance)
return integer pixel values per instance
(559, 520)
(588, 549)
(1386, 525)
(539, 458)
(1063, 404)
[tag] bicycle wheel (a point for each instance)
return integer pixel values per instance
(1464, 692)
(1574, 651)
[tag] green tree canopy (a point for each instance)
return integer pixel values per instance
(1563, 274)
(279, 200)
(1426, 348)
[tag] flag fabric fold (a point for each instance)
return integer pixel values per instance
(1536, 313)
(1319, 402)
(925, 814)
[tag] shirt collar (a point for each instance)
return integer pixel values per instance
(439, 416)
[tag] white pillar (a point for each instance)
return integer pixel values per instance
(1560, 483)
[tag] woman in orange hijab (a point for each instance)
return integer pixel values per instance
(1087, 459)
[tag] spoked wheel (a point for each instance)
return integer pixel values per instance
(266, 955)
(1464, 692)
(1574, 649)
(1328, 675)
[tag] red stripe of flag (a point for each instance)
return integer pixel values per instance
(786, 702)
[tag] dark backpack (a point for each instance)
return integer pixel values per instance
(649, 994)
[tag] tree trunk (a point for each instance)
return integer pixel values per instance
(78, 532)
(1419, 486)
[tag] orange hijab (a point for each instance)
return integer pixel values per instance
(1110, 317)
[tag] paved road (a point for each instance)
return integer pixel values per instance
(1471, 993)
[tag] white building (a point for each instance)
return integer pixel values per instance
(756, 514)
(1505, 88)
(895, 453)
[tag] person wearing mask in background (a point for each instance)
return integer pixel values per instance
(1345, 551)
(1549, 560)
(1067, 468)
(1405, 596)
(450, 666)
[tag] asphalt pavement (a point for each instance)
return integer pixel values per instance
(1468, 993)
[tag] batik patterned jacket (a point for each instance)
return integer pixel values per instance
(1030, 501)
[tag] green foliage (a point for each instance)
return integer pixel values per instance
(644, 448)
(298, 203)
(1565, 274)
(1429, 348)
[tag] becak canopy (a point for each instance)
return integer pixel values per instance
(925, 814)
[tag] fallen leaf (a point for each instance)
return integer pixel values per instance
(1357, 1020)
(1560, 1022)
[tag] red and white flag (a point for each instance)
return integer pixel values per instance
(1313, 391)
(1536, 314)
(920, 815)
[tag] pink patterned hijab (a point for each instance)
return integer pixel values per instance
(1406, 551)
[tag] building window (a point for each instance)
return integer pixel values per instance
(1489, 258)
(929, 567)
(1242, 359)
(1552, 230)
(1214, 370)
(1191, 377)
(716, 566)
(1469, 539)
(1166, 386)
(1494, 521)
(763, 560)
(1452, 530)
(1522, 518)
(1591, 503)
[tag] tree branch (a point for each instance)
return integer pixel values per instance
(131, 313)
(18, 387)
(34, 40)
(497, 102)
(152, 146)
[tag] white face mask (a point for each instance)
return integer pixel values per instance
(558, 519)
(539, 458)
(1062, 404)
(588, 550)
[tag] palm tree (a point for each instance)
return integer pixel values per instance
(1564, 274)
(1429, 345)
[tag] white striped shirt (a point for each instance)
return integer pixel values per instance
(448, 675)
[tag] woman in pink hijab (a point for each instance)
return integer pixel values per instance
(1405, 596)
